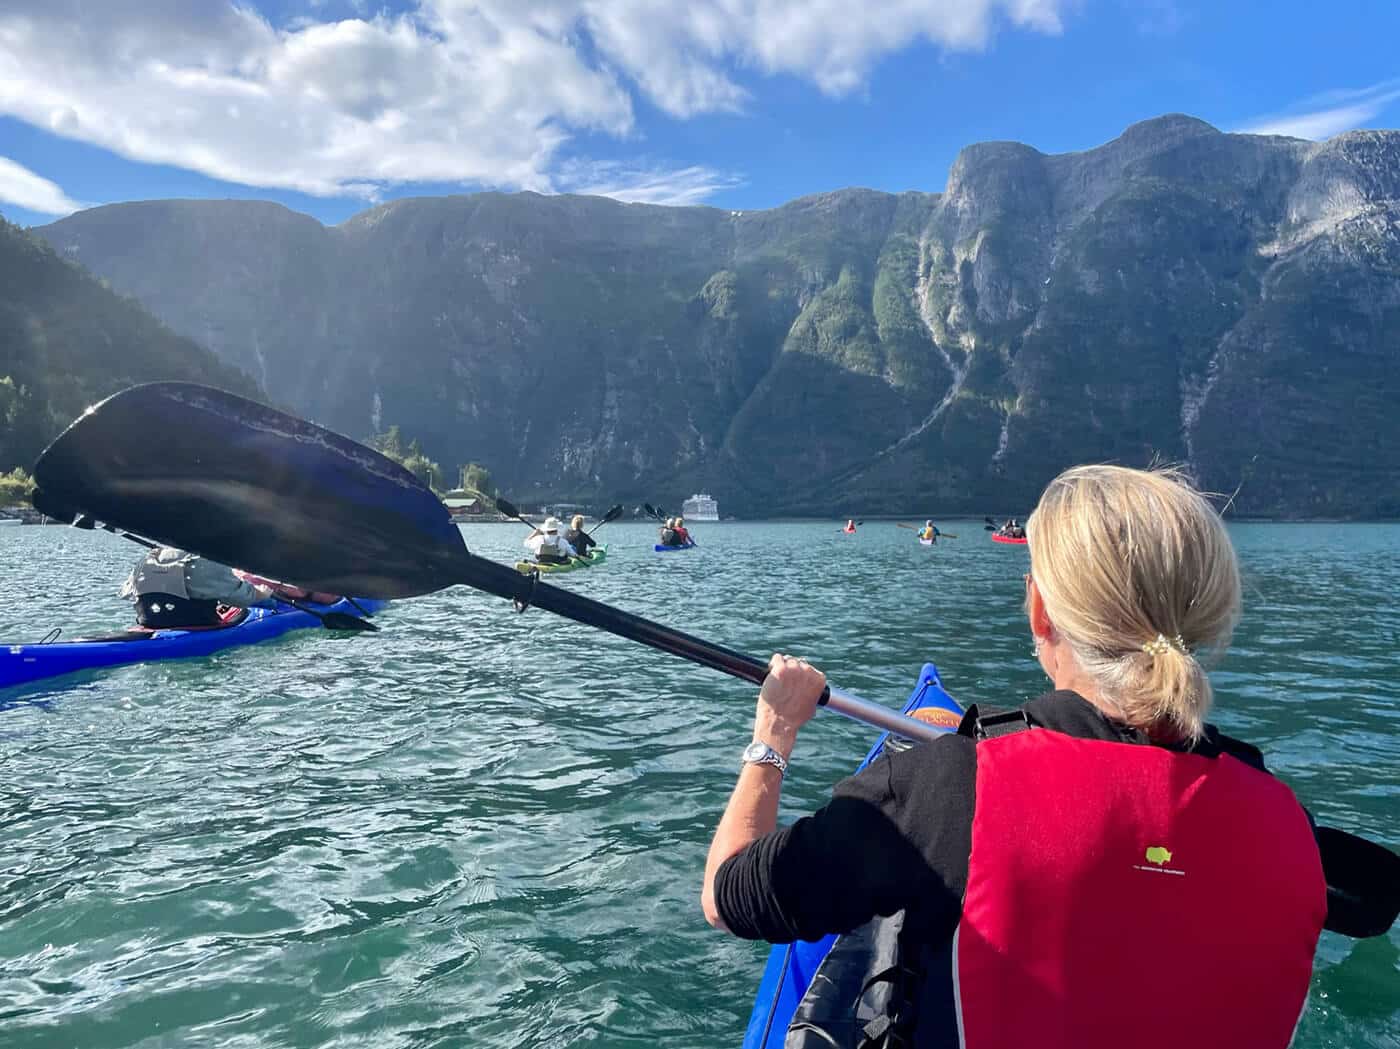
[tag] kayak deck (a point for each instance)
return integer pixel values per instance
(23, 664)
(790, 967)
(595, 557)
(667, 549)
(1010, 540)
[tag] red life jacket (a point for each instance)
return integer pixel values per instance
(1130, 895)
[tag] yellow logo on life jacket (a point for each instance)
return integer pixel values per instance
(1158, 855)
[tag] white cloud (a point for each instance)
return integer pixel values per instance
(25, 189)
(453, 93)
(459, 91)
(644, 185)
(1329, 113)
(678, 53)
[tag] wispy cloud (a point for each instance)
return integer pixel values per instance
(349, 96)
(644, 185)
(1329, 113)
(25, 189)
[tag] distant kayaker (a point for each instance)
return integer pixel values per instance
(930, 532)
(548, 546)
(173, 589)
(668, 533)
(850, 526)
(682, 534)
(576, 537)
(1096, 867)
(1012, 529)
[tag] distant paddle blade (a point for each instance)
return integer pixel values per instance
(506, 507)
(255, 488)
(612, 515)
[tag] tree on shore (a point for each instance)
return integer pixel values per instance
(410, 456)
(477, 479)
(15, 487)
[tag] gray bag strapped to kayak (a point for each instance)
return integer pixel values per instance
(859, 994)
(160, 589)
(160, 572)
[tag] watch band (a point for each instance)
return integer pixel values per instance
(760, 753)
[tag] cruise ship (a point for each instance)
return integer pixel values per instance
(700, 507)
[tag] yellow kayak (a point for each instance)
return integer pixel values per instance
(597, 557)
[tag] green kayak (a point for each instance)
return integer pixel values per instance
(597, 557)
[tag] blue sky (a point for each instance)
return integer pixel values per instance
(332, 105)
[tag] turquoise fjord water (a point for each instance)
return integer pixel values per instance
(483, 829)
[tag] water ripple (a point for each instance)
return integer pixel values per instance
(477, 828)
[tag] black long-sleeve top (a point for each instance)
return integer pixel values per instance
(897, 836)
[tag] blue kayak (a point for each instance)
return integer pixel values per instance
(21, 664)
(791, 966)
(666, 549)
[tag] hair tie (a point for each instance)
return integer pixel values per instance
(1161, 645)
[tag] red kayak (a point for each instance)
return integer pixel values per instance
(1008, 539)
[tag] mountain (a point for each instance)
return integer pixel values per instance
(1229, 301)
(67, 341)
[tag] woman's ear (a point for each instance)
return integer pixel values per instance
(1041, 627)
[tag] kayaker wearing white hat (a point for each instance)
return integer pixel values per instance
(548, 546)
(1097, 867)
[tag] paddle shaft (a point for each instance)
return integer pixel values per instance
(481, 574)
(611, 515)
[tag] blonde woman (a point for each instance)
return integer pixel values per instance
(576, 537)
(1098, 867)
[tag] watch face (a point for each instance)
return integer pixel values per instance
(755, 750)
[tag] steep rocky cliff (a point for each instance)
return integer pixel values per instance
(1227, 300)
(66, 342)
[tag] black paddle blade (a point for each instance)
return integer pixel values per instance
(506, 507)
(345, 621)
(611, 515)
(51, 506)
(254, 488)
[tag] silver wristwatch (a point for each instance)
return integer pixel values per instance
(760, 753)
